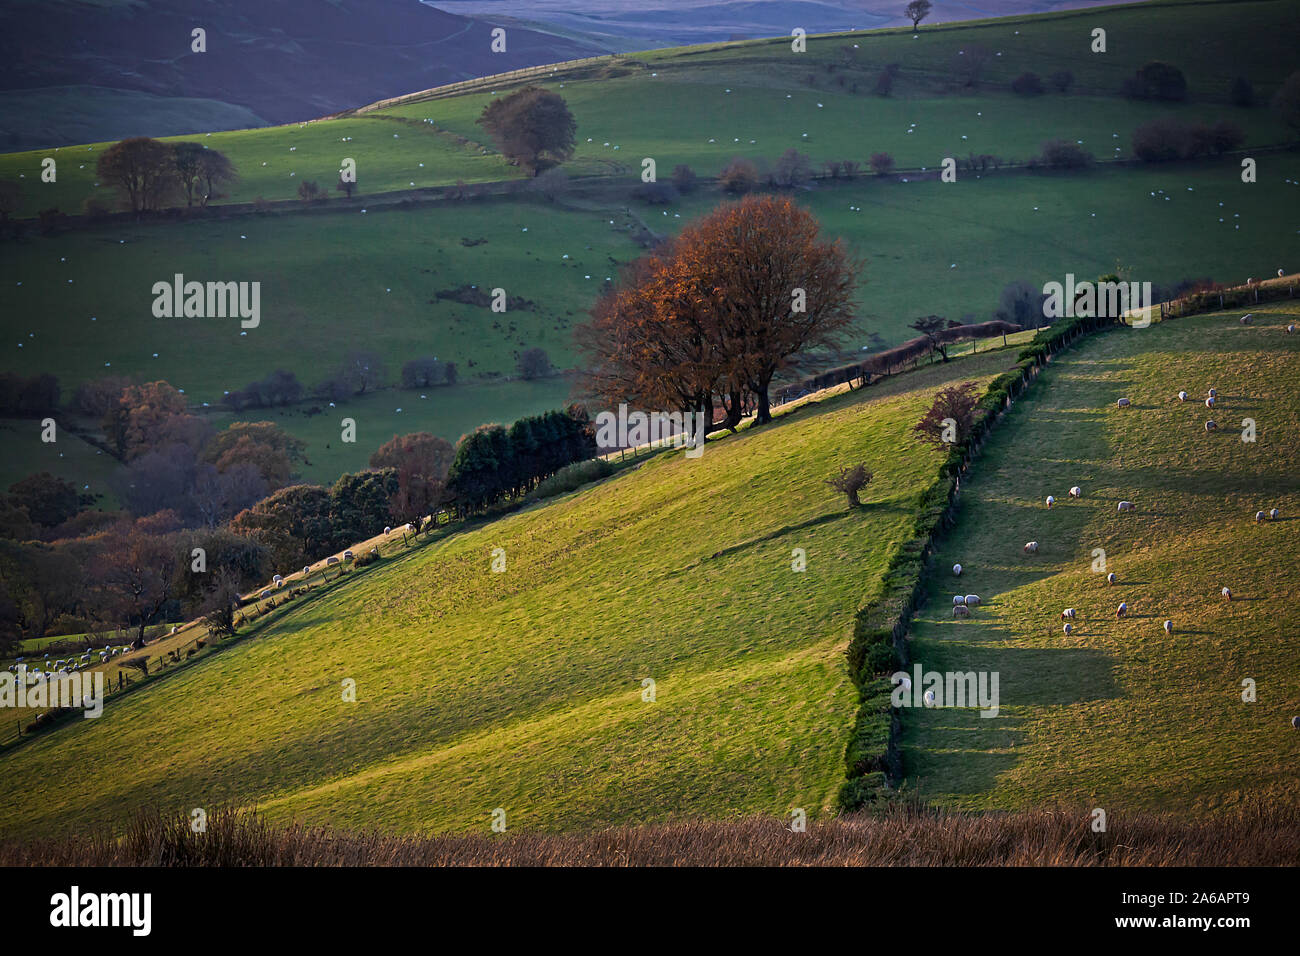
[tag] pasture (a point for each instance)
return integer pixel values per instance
(523, 689)
(1119, 713)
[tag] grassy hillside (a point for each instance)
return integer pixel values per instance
(522, 690)
(760, 98)
(1119, 714)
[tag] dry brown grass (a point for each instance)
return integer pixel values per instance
(1255, 835)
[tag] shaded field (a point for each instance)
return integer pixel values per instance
(1119, 713)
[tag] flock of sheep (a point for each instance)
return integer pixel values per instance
(345, 557)
(65, 666)
(962, 603)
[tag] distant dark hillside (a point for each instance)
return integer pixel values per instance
(282, 61)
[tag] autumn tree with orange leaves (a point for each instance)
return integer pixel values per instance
(718, 312)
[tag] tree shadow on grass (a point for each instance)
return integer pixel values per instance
(865, 509)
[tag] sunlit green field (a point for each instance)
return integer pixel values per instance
(1120, 714)
(523, 689)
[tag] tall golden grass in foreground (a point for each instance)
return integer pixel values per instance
(1254, 834)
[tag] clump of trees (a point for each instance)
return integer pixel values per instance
(427, 371)
(148, 173)
(421, 462)
(738, 177)
(531, 127)
(1063, 154)
(1156, 80)
(279, 388)
(493, 462)
(882, 164)
(714, 314)
(534, 363)
(1166, 139)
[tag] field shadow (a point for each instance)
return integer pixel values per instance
(814, 522)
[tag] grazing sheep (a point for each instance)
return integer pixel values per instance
(1273, 515)
(956, 569)
(1076, 492)
(1050, 501)
(1124, 403)
(1182, 396)
(1259, 516)
(1122, 609)
(1069, 629)
(1245, 319)
(1227, 594)
(1295, 723)
(1126, 506)
(1031, 547)
(1211, 425)
(1213, 393)
(331, 560)
(306, 569)
(960, 610)
(347, 555)
(388, 530)
(1290, 329)
(958, 599)
(1068, 614)
(265, 594)
(1209, 402)
(972, 600)
(929, 697)
(1169, 627)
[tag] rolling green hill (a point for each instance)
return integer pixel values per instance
(523, 689)
(1119, 714)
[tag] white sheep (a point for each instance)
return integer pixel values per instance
(1295, 723)
(958, 599)
(1069, 629)
(960, 610)
(1245, 319)
(1213, 393)
(1290, 328)
(1259, 516)
(929, 697)
(1031, 547)
(265, 594)
(331, 560)
(956, 569)
(1209, 402)
(1227, 594)
(1273, 514)
(1124, 403)
(347, 555)
(1112, 578)
(306, 569)
(1211, 425)
(1050, 501)
(1182, 396)
(1169, 627)
(1122, 609)
(1068, 614)
(388, 530)
(1126, 506)
(1076, 492)
(972, 600)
